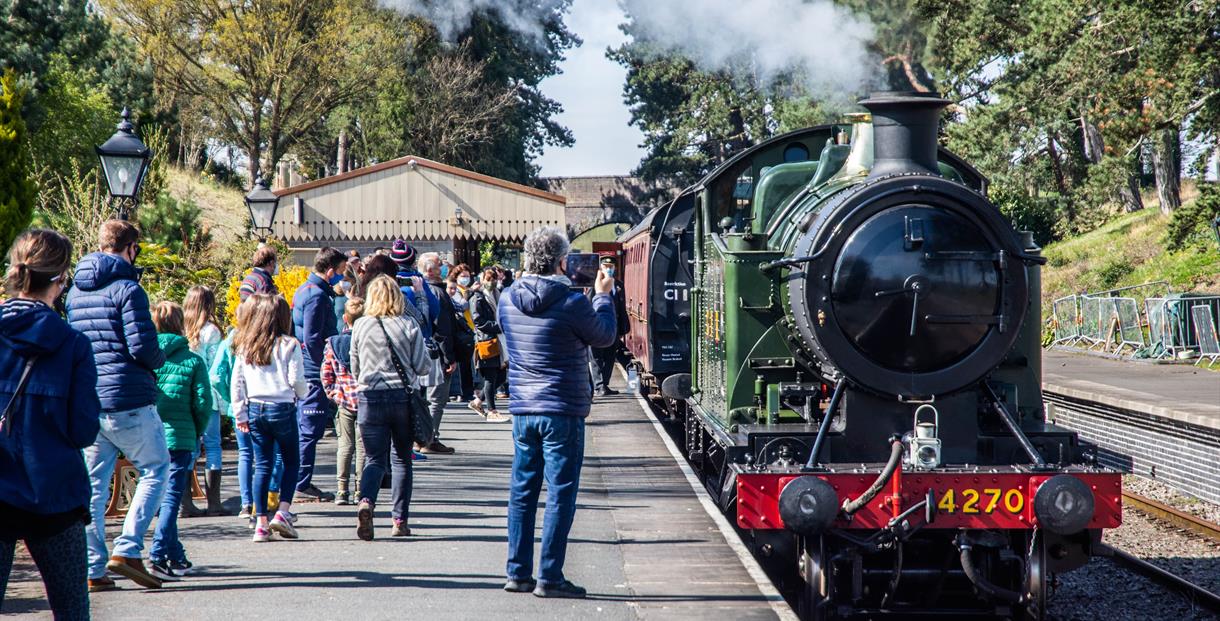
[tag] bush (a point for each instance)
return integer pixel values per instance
(1112, 271)
(1192, 221)
(287, 281)
(1037, 214)
(174, 224)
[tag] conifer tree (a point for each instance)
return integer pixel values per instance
(16, 188)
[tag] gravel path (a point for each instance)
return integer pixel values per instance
(1105, 590)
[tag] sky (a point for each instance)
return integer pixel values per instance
(591, 92)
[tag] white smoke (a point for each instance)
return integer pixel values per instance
(452, 16)
(820, 45)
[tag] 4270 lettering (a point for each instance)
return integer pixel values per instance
(986, 501)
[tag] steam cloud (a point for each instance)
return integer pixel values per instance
(822, 45)
(451, 16)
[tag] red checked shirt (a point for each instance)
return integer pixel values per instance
(337, 381)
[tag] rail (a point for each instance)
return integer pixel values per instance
(1193, 592)
(1170, 515)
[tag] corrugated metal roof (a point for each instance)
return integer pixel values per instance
(396, 199)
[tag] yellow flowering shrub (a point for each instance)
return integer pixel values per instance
(287, 281)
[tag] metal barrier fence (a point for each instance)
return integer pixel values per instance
(1152, 327)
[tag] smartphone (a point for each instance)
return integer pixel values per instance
(582, 268)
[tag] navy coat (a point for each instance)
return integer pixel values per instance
(547, 330)
(313, 319)
(109, 307)
(42, 469)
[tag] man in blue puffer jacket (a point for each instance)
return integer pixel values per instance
(313, 319)
(107, 304)
(547, 330)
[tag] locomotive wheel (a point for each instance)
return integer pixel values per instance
(1036, 579)
(817, 594)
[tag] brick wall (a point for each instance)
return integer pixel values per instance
(1181, 455)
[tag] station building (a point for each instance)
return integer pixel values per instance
(434, 206)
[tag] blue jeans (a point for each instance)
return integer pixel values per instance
(315, 412)
(273, 425)
(245, 468)
(211, 442)
(384, 421)
(140, 436)
(165, 545)
(549, 448)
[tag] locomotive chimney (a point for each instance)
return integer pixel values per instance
(904, 131)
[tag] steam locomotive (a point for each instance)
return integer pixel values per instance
(850, 342)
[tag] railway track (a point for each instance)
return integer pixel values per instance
(1194, 593)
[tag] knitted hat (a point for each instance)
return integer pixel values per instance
(402, 253)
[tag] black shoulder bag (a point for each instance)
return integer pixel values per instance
(419, 420)
(8, 418)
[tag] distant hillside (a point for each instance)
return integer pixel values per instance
(1128, 250)
(224, 211)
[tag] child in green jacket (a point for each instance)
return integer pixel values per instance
(184, 403)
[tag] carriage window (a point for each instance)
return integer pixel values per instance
(796, 152)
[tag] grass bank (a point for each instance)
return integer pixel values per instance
(1128, 250)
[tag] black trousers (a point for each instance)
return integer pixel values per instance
(604, 359)
(465, 359)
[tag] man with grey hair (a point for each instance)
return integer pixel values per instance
(547, 329)
(442, 318)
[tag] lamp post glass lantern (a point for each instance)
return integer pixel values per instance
(125, 162)
(262, 204)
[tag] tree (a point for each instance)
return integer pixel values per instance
(16, 188)
(268, 68)
(1083, 88)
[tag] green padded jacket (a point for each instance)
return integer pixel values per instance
(184, 397)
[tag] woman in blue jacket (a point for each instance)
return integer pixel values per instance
(46, 421)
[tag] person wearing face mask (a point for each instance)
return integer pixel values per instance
(261, 278)
(313, 319)
(108, 305)
(603, 357)
(51, 413)
(463, 331)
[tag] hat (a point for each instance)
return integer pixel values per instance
(607, 261)
(402, 253)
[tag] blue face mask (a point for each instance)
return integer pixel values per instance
(444, 271)
(610, 272)
(336, 279)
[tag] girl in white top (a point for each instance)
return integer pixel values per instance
(267, 382)
(204, 337)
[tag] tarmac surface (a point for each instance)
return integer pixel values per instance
(1175, 391)
(642, 544)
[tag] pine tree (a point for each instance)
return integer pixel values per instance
(16, 188)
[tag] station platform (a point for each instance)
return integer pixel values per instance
(1179, 392)
(1159, 421)
(642, 544)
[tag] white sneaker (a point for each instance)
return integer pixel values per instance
(282, 525)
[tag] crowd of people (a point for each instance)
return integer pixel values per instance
(375, 346)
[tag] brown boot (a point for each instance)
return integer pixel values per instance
(212, 485)
(188, 509)
(133, 569)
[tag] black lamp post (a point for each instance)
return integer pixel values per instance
(262, 204)
(125, 163)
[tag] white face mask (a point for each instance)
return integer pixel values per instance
(276, 271)
(463, 280)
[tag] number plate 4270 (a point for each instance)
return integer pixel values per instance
(986, 500)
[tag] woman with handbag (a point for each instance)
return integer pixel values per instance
(48, 412)
(487, 354)
(387, 358)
